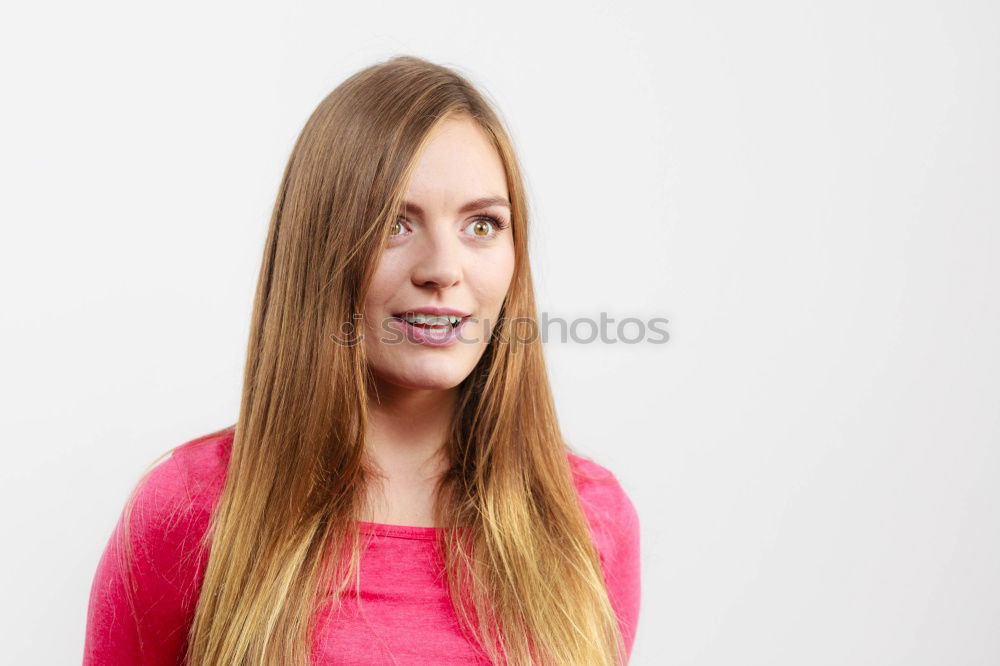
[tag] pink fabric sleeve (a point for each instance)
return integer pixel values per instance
(621, 565)
(615, 530)
(623, 571)
(168, 519)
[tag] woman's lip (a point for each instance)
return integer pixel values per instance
(434, 312)
(425, 336)
(399, 316)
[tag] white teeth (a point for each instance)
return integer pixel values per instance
(431, 320)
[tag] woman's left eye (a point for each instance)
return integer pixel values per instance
(486, 226)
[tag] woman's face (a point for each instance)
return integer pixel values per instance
(444, 252)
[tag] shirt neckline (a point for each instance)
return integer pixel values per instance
(397, 531)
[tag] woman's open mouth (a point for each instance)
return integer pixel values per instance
(431, 330)
(430, 321)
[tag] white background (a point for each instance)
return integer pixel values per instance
(808, 191)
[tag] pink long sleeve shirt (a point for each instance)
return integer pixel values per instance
(403, 615)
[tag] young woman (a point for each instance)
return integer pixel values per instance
(396, 489)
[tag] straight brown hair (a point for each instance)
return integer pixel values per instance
(284, 525)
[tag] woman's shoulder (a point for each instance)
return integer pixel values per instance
(146, 584)
(614, 528)
(171, 505)
(613, 518)
(599, 489)
(190, 478)
(203, 461)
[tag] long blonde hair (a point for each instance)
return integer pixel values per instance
(284, 524)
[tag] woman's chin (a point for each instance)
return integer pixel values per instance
(443, 377)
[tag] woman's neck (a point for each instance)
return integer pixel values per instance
(405, 438)
(407, 429)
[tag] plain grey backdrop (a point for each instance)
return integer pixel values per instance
(808, 191)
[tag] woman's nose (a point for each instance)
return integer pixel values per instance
(440, 261)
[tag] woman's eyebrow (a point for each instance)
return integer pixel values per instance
(475, 204)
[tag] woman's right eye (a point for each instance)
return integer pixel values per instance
(398, 224)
